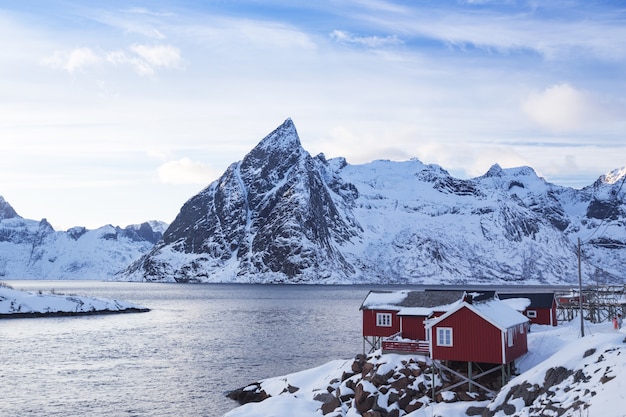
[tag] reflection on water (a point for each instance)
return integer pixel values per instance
(196, 343)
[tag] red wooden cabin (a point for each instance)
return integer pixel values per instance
(400, 315)
(486, 332)
(542, 307)
(473, 327)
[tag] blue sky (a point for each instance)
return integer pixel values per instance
(118, 112)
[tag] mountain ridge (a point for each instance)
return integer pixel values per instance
(280, 215)
(31, 249)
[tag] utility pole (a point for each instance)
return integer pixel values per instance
(580, 295)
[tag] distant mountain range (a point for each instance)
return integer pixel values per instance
(31, 249)
(283, 216)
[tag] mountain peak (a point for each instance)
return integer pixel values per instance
(6, 211)
(284, 136)
(494, 171)
(275, 153)
(615, 175)
(497, 171)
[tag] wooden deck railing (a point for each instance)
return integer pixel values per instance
(419, 347)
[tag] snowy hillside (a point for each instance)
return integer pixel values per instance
(561, 375)
(32, 249)
(280, 215)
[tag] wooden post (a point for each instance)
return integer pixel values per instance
(432, 379)
(469, 374)
(580, 295)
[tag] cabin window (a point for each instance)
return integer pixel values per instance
(383, 319)
(532, 314)
(521, 328)
(444, 336)
(510, 335)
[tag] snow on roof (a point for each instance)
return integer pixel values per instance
(494, 311)
(415, 311)
(537, 300)
(387, 300)
(500, 313)
(412, 302)
(519, 304)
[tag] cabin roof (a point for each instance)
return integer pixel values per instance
(409, 299)
(496, 312)
(537, 300)
(480, 296)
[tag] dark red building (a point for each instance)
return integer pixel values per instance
(540, 310)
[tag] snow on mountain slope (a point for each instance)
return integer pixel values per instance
(280, 215)
(34, 250)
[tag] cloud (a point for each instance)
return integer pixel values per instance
(553, 30)
(165, 56)
(186, 171)
(145, 59)
(341, 36)
(561, 108)
(72, 61)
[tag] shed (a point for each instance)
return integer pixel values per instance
(485, 332)
(542, 307)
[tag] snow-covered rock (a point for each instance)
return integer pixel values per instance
(15, 303)
(32, 249)
(280, 215)
(561, 375)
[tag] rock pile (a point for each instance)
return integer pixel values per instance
(376, 387)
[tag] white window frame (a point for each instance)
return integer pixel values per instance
(510, 336)
(531, 314)
(444, 336)
(383, 320)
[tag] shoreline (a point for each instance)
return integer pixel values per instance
(39, 314)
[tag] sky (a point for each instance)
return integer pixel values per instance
(118, 112)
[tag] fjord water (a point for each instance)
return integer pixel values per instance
(197, 342)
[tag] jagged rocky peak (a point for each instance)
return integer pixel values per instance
(6, 211)
(608, 180)
(604, 200)
(284, 137)
(45, 226)
(283, 142)
(277, 215)
(494, 171)
(270, 160)
(497, 171)
(614, 176)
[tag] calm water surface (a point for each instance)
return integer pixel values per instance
(196, 343)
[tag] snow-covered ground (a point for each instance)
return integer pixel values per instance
(592, 380)
(15, 303)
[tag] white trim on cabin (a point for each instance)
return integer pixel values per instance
(445, 336)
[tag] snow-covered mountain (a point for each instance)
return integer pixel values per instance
(32, 249)
(281, 215)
